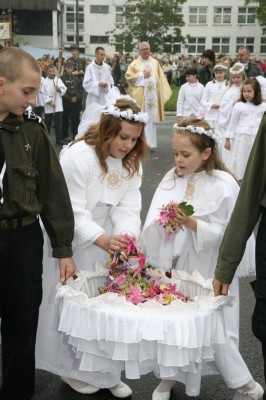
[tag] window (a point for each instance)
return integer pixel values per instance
(72, 38)
(177, 48)
(222, 15)
(177, 10)
(246, 15)
(196, 45)
(245, 42)
(32, 23)
(99, 39)
(119, 17)
(263, 45)
(71, 17)
(221, 45)
(99, 9)
(197, 15)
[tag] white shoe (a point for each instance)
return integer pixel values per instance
(256, 393)
(121, 392)
(160, 395)
(89, 389)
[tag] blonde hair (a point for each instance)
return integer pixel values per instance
(101, 134)
(202, 142)
(235, 68)
(13, 61)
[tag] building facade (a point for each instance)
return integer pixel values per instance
(34, 22)
(222, 25)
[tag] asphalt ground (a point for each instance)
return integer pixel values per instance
(50, 387)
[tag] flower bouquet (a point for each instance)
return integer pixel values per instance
(168, 216)
(131, 276)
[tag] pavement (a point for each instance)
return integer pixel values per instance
(50, 387)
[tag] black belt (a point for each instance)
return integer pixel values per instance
(10, 224)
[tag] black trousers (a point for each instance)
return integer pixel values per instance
(21, 253)
(57, 124)
(259, 287)
(71, 116)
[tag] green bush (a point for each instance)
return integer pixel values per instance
(171, 103)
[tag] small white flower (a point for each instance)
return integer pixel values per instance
(123, 114)
(199, 130)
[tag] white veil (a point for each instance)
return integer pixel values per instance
(93, 112)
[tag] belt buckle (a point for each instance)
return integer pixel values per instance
(4, 225)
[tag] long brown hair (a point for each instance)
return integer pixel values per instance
(254, 83)
(202, 142)
(101, 134)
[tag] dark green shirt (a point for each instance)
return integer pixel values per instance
(247, 211)
(34, 183)
(79, 64)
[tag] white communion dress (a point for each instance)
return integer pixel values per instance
(242, 130)
(213, 197)
(94, 337)
(110, 205)
(230, 97)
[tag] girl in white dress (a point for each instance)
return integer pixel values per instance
(103, 172)
(212, 96)
(243, 127)
(201, 179)
(230, 97)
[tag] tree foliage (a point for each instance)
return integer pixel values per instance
(260, 12)
(158, 22)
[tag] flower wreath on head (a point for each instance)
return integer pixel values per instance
(127, 114)
(198, 130)
(92, 113)
(237, 68)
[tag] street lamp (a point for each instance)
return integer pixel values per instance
(77, 22)
(10, 26)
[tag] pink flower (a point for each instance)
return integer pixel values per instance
(120, 280)
(131, 246)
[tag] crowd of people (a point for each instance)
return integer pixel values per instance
(82, 208)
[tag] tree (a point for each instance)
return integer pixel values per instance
(158, 22)
(260, 12)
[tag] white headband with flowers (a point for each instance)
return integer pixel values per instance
(237, 68)
(127, 114)
(199, 130)
(220, 66)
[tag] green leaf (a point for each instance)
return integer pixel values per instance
(186, 209)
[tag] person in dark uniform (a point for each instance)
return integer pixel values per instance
(72, 101)
(250, 210)
(32, 185)
(79, 69)
(79, 63)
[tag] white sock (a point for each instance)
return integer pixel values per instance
(245, 388)
(77, 385)
(165, 386)
(119, 385)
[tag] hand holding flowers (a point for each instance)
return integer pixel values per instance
(173, 216)
(131, 276)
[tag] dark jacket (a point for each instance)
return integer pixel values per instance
(250, 202)
(253, 69)
(73, 85)
(79, 64)
(34, 182)
(205, 75)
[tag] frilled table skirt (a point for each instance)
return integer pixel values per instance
(110, 334)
